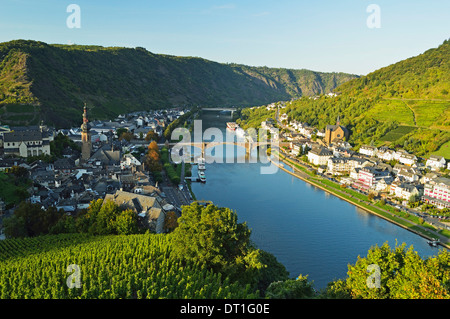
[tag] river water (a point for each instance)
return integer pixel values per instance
(308, 230)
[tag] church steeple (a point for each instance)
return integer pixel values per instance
(85, 126)
(338, 122)
(85, 137)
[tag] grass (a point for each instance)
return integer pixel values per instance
(445, 233)
(428, 113)
(397, 133)
(444, 151)
(394, 110)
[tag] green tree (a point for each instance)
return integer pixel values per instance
(14, 227)
(402, 274)
(105, 219)
(151, 136)
(299, 288)
(126, 223)
(212, 236)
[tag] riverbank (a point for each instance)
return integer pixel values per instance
(361, 203)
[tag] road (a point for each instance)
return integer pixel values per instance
(177, 195)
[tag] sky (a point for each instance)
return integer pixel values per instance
(323, 35)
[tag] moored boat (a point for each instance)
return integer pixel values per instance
(202, 176)
(433, 242)
(201, 163)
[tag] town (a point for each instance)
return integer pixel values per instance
(107, 160)
(411, 184)
(99, 160)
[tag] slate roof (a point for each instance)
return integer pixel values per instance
(138, 203)
(23, 136)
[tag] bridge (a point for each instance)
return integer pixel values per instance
(249, 145)
(229, 109)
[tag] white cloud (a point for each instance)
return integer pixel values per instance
(229, 6)
(261, 14)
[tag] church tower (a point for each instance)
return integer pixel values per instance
(85, 137)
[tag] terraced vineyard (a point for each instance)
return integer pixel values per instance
(109, 267)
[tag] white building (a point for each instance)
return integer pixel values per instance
(407, 159)
(319, 156)
(25, 143)
(129, 160)
(385, 154)
(404, 190)
(368, 150)
(437, 192)
(436, 162)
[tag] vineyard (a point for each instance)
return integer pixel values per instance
(108, 267)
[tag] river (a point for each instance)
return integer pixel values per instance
(308, 230)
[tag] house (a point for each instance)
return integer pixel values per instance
(436, 162)
(309, 132)
(319, 155)
(148, 208)
(428, 177)
(368, 150)
(385, 154)
(127, 181)
(320, 133)
(128, 160)
(106, 156)
(341, 144)
(383, 185)
(7, 163)
(297, 148)
(342, 165)
(405, 190)
(407, 159)
(64, 166)
(408, 175)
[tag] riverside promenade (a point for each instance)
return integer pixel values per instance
(362, 204)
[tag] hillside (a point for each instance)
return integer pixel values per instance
(110, 267)
(404, 105)
(46, 82)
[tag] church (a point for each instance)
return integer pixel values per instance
(336, 132)
(27, 141)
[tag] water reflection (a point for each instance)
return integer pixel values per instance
(308, 230)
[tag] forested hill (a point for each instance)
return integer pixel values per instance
(405, 105)
(52, 82)
(426, 76)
